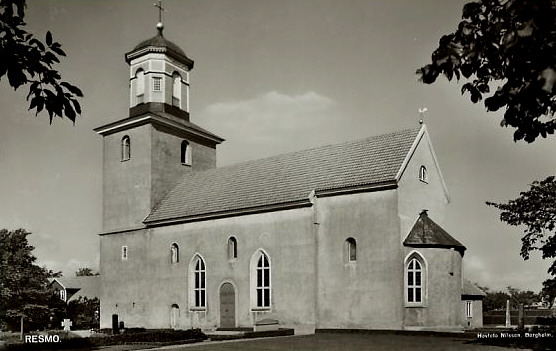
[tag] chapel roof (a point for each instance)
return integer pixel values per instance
(426, 233)
(470, 289)
(86, 286)
(286, 178)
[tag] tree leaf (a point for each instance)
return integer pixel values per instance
(48, 38)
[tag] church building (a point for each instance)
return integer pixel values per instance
(340, 236)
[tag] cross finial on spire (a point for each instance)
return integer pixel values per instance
(160, 9)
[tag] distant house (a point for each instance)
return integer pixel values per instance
(71, 288)
(472, 304)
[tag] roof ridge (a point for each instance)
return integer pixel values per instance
(284, 177)
(383, 135)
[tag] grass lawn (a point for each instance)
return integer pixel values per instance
(346, 342)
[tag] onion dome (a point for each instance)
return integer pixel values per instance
(159, 44)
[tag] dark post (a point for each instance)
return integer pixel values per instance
(115, 329)
(521, 318)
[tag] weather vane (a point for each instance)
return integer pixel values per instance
(422, 114)
(160, 9)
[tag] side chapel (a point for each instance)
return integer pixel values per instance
(340, 236)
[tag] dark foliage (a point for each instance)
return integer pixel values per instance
(26, 60)
(496, 300)
(548, 291)
(84, 313)
(85, 272)
(509, 43)
(158, 336)
(535, 209)
(24, 286)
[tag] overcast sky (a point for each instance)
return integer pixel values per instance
(270, 76)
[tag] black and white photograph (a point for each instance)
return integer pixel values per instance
(277, 175)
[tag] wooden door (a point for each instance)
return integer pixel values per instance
(174, 316)
(227, 306)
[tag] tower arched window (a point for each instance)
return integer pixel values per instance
(350, 250)
(260, 281)
(176, 89)
(185, 153)
(232, 248)
(423, 174)
(415, 280)
(175, 253)
(140, 76)
(197, 271)
(126, 148)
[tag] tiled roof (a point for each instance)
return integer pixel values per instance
(86, 286)
(426, 233)
(470, 289)
(286, 178)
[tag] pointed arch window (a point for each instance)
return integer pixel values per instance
(185, 153)
(176, 89)
(140, 76)
(350, 250)
(198, 283)
(423, 174)
(175, 253)
(126, 148)
(232, 248)
(261, 281)
(415, 281)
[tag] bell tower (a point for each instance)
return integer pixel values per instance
(159, 73)
(147, 152)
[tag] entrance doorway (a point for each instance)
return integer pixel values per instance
(174, 316)
(227, 306)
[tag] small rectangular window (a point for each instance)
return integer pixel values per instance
(157, 84)
(124, 253)
(469, 309)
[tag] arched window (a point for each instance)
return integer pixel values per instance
(175, 253)
(63, 294)
(185, 153)
(415, 279)
(261, 281)
(232, 248)
(350, 250)
(124, 253)
(126, 148)
(176, 90)
(140, 76)
(198, 283)
(423, 174)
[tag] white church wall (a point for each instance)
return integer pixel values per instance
(415, 194)
(149, 280)
(127, 183)
(367, 293)
(441, 308)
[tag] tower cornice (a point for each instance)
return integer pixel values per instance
(151, 118)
